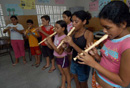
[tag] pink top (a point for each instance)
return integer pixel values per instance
(69, 27)
(57, 41)
(111, 54)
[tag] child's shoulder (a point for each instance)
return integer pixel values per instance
(51, 26)
(11, 24)
(32, 29)
(48, 28)
(88, 34)
(125, 44)
(19, 24)
(127, 39)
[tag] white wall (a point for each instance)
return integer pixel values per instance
(68, 3)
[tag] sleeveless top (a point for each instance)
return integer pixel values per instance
(80, 42)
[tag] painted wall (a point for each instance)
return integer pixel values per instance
(68, 4)
(85, 4)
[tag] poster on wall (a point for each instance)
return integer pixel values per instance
(43, 1)
(93, 6)
(102, 3)
(13, 9)
(27, 4)
(59, 1)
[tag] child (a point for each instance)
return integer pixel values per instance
(78, 42)
(113, 70)
(17, 42)
(45, 31)
(67, 18)
(33, 42)
(60, 54)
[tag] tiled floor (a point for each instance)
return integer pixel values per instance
(26, 76)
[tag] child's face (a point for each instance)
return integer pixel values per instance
(14, 21)
(111, 29)
(77, 23)
(66, 18)
(58, 29)
(45, 22)
(29, 25)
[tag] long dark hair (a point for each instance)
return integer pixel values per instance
(62, 24)
(68, 14)
(117, 12)
(83, 15)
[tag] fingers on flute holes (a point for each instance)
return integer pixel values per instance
(89, 44)
(65, 40)
(84, 52)
(86, 47)
(95, 50)
(79, 58)
(46, 43)
(81, 62)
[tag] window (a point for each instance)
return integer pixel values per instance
(55, 12)
(2, 23)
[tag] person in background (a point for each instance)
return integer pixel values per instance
(45, 31)
(67, 18)
(17, 41)
(61, 54)
(33, 42)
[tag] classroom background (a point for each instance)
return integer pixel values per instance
(22, 76)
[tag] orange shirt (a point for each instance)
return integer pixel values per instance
(47, 30)
(32, 40)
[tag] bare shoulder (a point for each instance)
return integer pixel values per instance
(88, 34)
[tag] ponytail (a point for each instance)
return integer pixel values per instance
(83, 15)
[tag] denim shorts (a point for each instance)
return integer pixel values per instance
(81, 70)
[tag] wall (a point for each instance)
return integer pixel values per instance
(68, 3)
(85, 4)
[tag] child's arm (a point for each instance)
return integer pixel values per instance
(40, 30)
(69, 40)
(59, 51)
(34, 34)
(93, 52)
(66, 47)
(122, 78)
(38, 34)
(48, 45)
(26, 35)
(20, 31)
(7, 29)
(90, 38)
